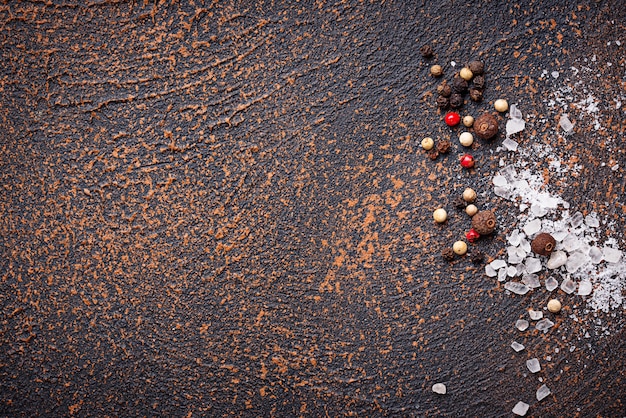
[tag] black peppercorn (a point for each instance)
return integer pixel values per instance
(476, 67)
(426, 51)
(477, 257)
(479, 82)
(433, 154)
(456, 100)
(476, 95)
(443, 102)
(459, 85)
(459, 203)
(447, 254)
(443, 146)
(444, 89)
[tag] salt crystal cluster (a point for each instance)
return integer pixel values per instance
(579, 259)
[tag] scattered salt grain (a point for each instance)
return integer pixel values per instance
(568, 286)
(584, 288)
(522, 324)
(535, 315)
(439, 388)
(509, 144)
(502, 274)
(489, 271)
(517, 346)
(511, 271)
(557, 259)
(542, 392)
(576, 220)
(595, 255)
(516, 287)
(592, 220)
(551, 284)
(499, 181)
(520, 408)
(533, 265)
(576, 260)
(570, 243)
(532, 227)
(497, 264)
(566, 124)
(544, 325)
(533, 365)
(611, 255)
(531, 280)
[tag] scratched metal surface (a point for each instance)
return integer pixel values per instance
(222, 208)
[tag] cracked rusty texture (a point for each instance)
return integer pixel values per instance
(222, 208)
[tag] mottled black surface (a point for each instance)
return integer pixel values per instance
(222, 208)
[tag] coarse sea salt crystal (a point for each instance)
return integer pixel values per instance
(568, 286)
(535, 315)
(557, 259)
(502, 274)
(611, 255)
(497, 264)
(571, 243)
(566, 124)
(439, 388)
(533, 265)
(544, 325)
(514, 238)
(595, 255)
(531, 280)
(592, 220)
(533, 365)
(576, 260)
(577, 219)
(511, 271)
(516, 287)
(522, 324)
(520, 408)
(516, 255)
(499, 181)
(510, 144)
(532, 227)
(489, 271)
(517, 346)
(584, 288)
(551, 284)
(542, 392)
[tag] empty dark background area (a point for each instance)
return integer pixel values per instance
(222, 208)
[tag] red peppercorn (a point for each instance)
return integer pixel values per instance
(452, 118)
(467, 161)
(472, 235)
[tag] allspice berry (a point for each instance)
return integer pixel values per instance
(476, 95)
(484, 222)
(436, 70)
(486, 126)
(476, 67)
(543, 244)
(426, 51)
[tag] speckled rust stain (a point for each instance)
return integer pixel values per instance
(220, 208)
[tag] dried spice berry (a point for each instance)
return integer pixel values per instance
(476, 95)
(486, 126)
(452, 118)
(444, 89)
(484, 222)
(447, 254)
(426, 51)
(443, 146)
(479, 82)
(477, 257)
(543, 244)
(554, 305)
(472, 235)
(459, 203)
(459, 247)
(476, 67)
(459, 85)
(443, 102)
(456, 100)
(433, 154)
(436, 70)
(467, 161)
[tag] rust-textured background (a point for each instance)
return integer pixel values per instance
(221, 208)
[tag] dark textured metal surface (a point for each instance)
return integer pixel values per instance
(222, 208)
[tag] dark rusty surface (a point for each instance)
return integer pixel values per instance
(222, 209)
